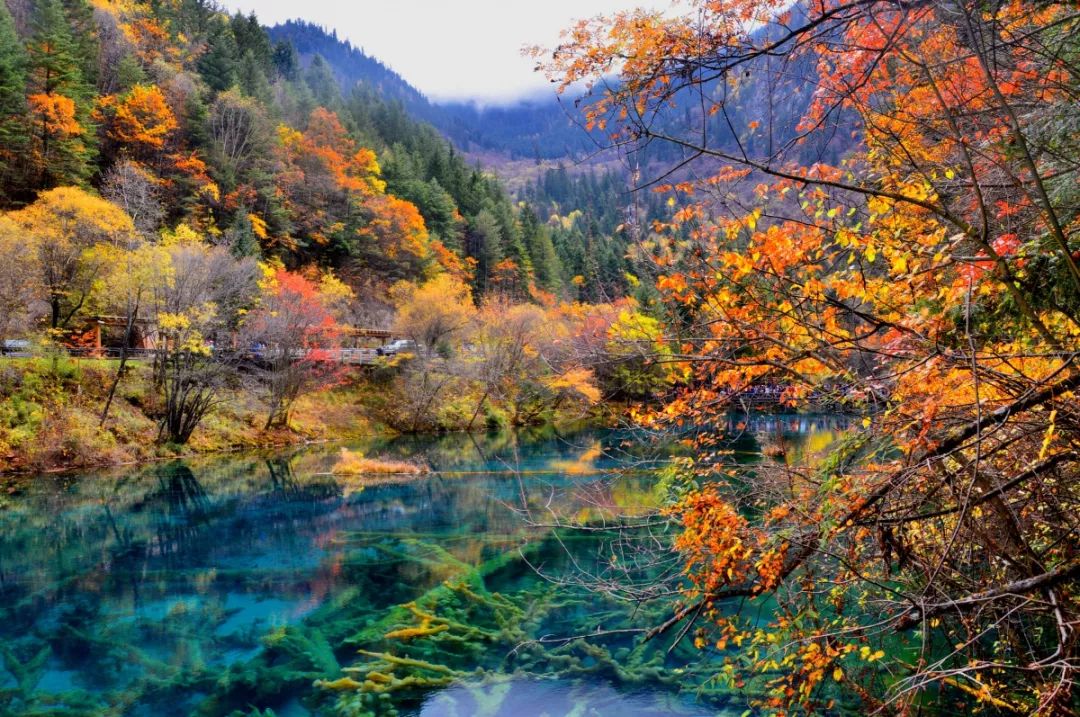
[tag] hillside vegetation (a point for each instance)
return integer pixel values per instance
(181, 114)
(193, 197)
(894, 219)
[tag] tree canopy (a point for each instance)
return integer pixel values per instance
(909, 247)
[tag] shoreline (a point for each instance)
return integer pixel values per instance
(12, 479)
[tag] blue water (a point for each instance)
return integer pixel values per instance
(231, 585)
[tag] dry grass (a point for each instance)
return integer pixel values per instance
(50, 414)
(354, 463)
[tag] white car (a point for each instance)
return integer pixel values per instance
(396, 347)
(15, 347)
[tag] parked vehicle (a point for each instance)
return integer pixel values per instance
(395, 347)
(15, 347)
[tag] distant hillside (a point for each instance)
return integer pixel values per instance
(351, 64)
(545, 129)
(530, 129)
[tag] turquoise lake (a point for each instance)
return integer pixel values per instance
(264, 584)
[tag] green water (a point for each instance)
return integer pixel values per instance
(265, 585)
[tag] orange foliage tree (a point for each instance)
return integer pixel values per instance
(333, 188)
(62, 145)
(905, 243)
(140, 121)
(56, 125)
(394, 239)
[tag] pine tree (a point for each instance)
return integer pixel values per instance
(218, 64)
(240, 236)
(545, 260)
(129, 72)
(485, 245)
(54, 54)
(251, 37)
(63, 139)
(85, 43)
(252, 79)
(286, 60)
(14, 135)
(320, 78)
(513, 247)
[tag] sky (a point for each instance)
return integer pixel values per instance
(448, 49)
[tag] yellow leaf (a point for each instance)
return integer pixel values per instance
(1049, 435)
(838, 674)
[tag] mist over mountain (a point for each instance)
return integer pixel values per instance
(538, 127)
(547, 127)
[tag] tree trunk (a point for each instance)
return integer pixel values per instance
(123, 362)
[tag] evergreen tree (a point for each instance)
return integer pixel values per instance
(54, 55)
(14, 135)
(129, 72)
(252, 79)
(219, 63)
(85, 43)
(484, 245)
(513, 247)
(320, 78)
(240, 236)
(545, 260)
(60, 99)
(196, 121)
(191, 17)
(251, 37)
(286, 60)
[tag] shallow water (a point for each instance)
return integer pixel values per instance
(236, 585)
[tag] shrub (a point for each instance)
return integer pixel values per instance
(354, 463)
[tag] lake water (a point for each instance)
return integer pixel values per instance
(258, 585)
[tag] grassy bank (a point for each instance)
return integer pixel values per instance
(50, 417)
(50, 414)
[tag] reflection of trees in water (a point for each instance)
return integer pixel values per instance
(285, 482)
(203, 531)
(176, 494)
(282, 477)
(181, 508)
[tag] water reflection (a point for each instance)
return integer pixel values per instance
(516, 697)
(214, 585)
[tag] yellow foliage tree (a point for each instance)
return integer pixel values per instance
(432, 312)
(64, 224)
(21, 286)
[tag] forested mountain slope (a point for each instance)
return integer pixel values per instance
(181, 192)
(184, 115)
(539, 128)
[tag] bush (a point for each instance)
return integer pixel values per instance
(354, 463)
(496, 419)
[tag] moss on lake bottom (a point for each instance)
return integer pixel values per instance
(263, 586)
(364, 661)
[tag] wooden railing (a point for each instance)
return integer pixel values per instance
(353, 357)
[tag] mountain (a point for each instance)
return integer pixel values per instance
(535, 129)
(541, 130)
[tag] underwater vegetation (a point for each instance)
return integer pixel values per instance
(370, 661)
(261, 585)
